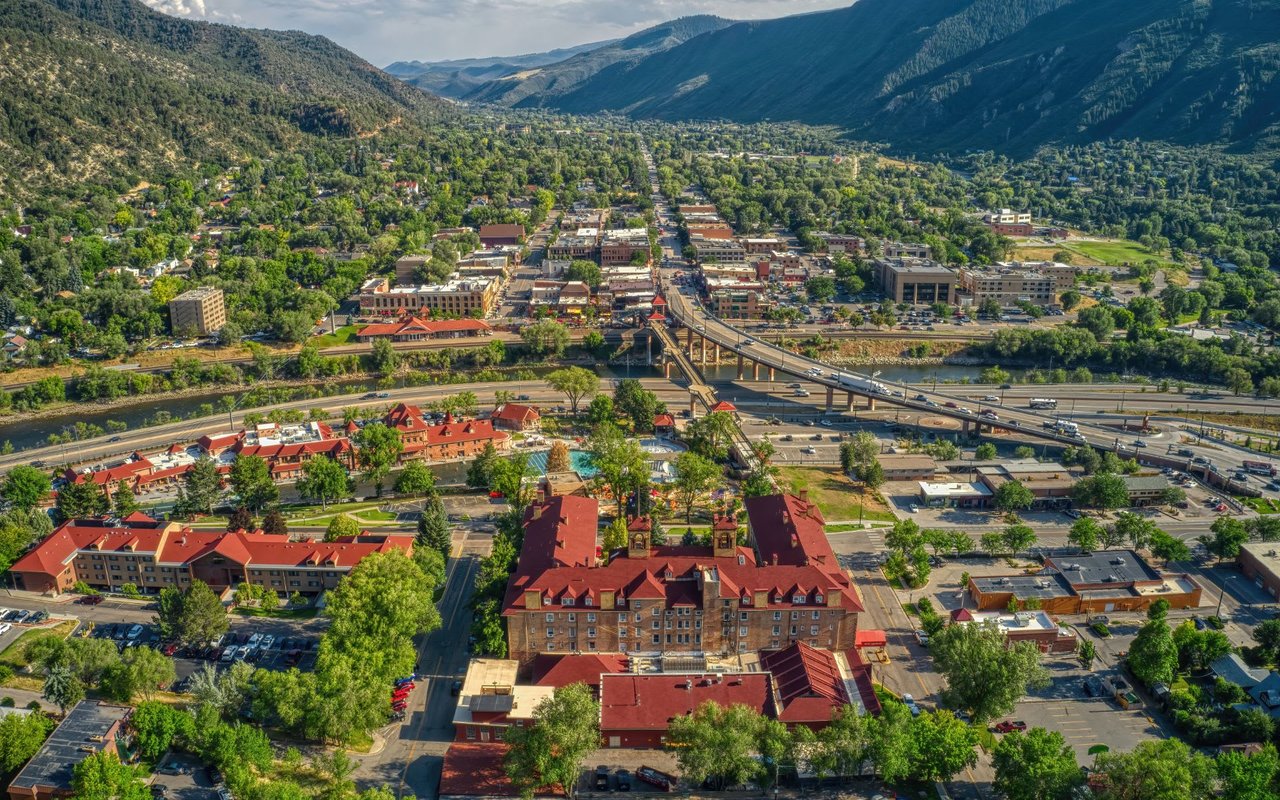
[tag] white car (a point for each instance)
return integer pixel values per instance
(267, 641)
(4, 627)
(255, 640)
(914, 508)
(135, 632)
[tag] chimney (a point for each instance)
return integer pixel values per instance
(537, 512)
(774, 560)
(804, 495)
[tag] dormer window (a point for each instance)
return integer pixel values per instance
(586, 601)
(818, 599)
(797, 599)
(567, 601)
(746, 599)
(667, 574)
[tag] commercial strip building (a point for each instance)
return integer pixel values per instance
(106, 553)
(89, 727)
(1260, 562)
(416, 329)
(1036, 627)
(1101, 582)
(1050, 483)
(472, 297)
(954, 494)
(657, 600)
(202, 310)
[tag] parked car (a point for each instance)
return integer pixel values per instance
(911, 705)
(602, 778)
(5, 627)
(922, 638)
(657, 778)
(90, 600)
(622, 780)
(1009, 726)
(135, 632)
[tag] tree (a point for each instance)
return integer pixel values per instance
(858, 451)
(941, 746)
(600, 410)
(587, 272)
(1250, 776)
(341, 526)
(1239, 381)
(985, 452)
(575, 383)
(81, 500)
(1168, 548)
(872, 474)
(63, 688)
(507, 478)
(140, 670)
(20, 738)
(1267, 635)
(718, 744)
(433, 528)
(594, 343)
(695, 476)
(1101, 491)
(1163, 769)
(565, 728)
(759, 483)
(252, 483)
(25, 487)
(201, 487)
(101, 776)
(1172, 495)
(156, 726)
(558, 458)
(889, 742)
(1036, 765)
(123, 501)
(1012, 495)
(1018, 538)
(378, 447)
(241, 520)
(621, 463)
(637, 403)
(324, 479)
(1229, 535)
(201, 617)
(1153, 657)
(545, 339)
(479, 473)
(384, 357)
(275, 524)
(711, 435)
(1137, 530)
(615, 536)
(1198, 649)
(820, 288)
(984, 675)
(416, 479)
(1085, 534)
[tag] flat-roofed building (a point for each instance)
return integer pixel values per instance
(718, 251)
(762, 245)
(500, 234)
(202, 310)
(916, 281)
(1050, 483)
(1033, 626)
(907, 466)
(624, 246)
(584, 245)
(1260, 562)
(490, 700)
(1006, 216)
(843, 243)
(735, 303)
(905, 250)
(954, 494)
(1006, 286)
(1145, 490)
(457, 297)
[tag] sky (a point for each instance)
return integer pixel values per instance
(383, 31)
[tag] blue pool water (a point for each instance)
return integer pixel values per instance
(579, 462)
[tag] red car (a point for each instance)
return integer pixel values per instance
(399, 697)
(1009, 726)
(90, 600)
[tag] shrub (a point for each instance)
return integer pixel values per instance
(130, 590)
(80, 587)
(7, 702)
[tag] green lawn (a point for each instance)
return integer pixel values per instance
(344, 335)
(1115, 253)
(834, 493)
(15, 655)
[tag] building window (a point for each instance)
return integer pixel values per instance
(742, 631)
(777, 616)
(551, 617)
(586, 601)
(567, 601)
(591, 618)
(657, 638)
(798, 599)
(813, 630)
(817, 599)
(551, 633)
(591, 632)
(573, 617)
(777, 630)
(817, 614)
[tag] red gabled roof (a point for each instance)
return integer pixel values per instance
(650, 702)
(515, 412)
(663, 420)
(791, 529)
(559, 533)
(431, 327)
(961, 615)
(566, 670)
(658, 301)
(723, 405)
(807, 681)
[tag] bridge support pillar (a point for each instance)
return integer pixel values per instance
(871, 404)
(688, 342)
(716, 354)
(648, 349)
(848, 401)
(702, 350)
(755, 370)
(693, 405)
(964, 427)
(770, 374)
(740, 365)
(666, 369)
(831, 397)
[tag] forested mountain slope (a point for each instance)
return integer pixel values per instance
(91, 89)
(959, 74)
(460, 77)
(539, 87)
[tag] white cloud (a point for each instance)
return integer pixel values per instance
(383, 31)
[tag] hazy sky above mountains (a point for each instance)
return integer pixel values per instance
(382, 31)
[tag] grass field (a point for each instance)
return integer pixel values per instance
(15, 655)
(834, 493)
(343, 335)
(1091, 254)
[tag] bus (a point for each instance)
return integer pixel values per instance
(1260, 468)
(1043, 402)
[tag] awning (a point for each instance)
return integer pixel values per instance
(869, 638)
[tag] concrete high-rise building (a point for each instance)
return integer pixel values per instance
(202, 310)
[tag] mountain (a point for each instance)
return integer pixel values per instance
(91, 89)
(1008, 75)
(543, 85)
(459, 77)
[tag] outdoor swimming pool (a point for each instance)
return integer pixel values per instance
(579, 462)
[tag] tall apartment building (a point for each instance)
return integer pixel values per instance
(202, 310)
(1012, 283)
(107, 553)
(916, 280)
(905, 250)
(621, 246)
(785, 587)
(733, 303)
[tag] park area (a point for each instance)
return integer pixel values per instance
(837, 496)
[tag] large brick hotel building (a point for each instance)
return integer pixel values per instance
(784, 587)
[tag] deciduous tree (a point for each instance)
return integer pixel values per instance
(695, 476)
(1036, 765)
(1163, 769)
(378, 447)
(984, 675)
(575, 383)
(1153, 657)
(251, 481)
(566, 728)
(416, 480)
(323, 479)
(25, 486)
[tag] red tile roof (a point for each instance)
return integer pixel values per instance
(658, 301)
(723, 405)
(808, 683)
(560, 532)
(663, 420)
(515, 412)
(557, 671)
(791, 529)
(425, 327)
(650, 702)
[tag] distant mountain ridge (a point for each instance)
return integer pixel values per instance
(961, 74)
(93, 89)
(538, 86)
(457, 77)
